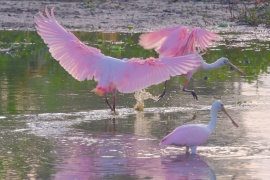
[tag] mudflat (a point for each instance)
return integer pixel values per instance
(120, 15)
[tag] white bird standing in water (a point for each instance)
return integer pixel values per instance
(193, 135)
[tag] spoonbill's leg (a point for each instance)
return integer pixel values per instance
(193, 149)
(191, 91)
(114, 100)
(187, 149)
(164, 91)
(107, 101)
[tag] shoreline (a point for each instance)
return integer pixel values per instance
(117, 16)
(127, 16)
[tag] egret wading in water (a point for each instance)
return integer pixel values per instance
(112, 74)
(178, 41)
(193, 135)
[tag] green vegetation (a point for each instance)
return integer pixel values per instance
(253, 12)
(259, 14)
(89, 4)
(32, 69)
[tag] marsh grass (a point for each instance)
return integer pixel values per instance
(259, 14)
(252, 12)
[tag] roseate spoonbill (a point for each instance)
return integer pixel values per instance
(178, 41)
(193, 135)
(85, 62)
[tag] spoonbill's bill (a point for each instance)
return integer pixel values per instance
(193, 135)
(85, 62)
(178, 41)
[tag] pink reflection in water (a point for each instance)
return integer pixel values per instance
(125, 157)
(187, 167)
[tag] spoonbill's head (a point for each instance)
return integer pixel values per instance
(224, 62)
(218, 104)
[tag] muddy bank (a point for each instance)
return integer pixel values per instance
(117, 16)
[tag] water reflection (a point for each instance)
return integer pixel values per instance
(90, 157)
(39, 84)
(92, 144)
(187, 167)
(53, 126)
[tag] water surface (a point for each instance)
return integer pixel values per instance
(53, 127)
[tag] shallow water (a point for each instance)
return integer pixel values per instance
(53, 127)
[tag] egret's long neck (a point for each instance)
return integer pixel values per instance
(212, 125)
(206, 66)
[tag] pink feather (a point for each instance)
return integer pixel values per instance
(177, 41)
(155, 39)
(193, 135)
(187, 135)
(84, 62)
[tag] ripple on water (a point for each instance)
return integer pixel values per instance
(54, 124)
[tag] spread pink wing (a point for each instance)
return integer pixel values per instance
(172, 43)
(196, 41)
(84, 62)
(155, 39)
(140, 74)
(76, 58)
